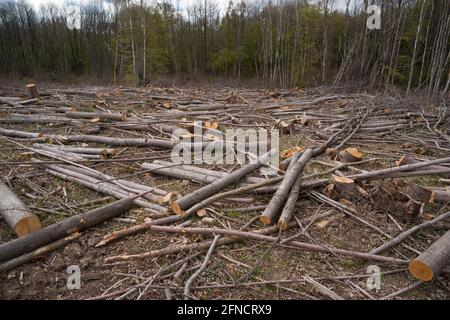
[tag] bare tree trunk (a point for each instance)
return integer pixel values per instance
(416, 42)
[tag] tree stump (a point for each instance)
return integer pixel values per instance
(32, 92)
(350, 155)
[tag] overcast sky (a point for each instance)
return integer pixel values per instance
(339, 4)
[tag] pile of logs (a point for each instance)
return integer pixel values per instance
(56, 137)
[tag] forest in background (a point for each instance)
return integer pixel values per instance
(279, 43)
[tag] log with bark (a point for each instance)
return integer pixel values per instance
(101, 116)
(38, 253)
(56, 231)
(429, 264)
(405, 160)
(189, 200)
(16, 214)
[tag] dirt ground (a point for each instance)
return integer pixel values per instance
(245, 269)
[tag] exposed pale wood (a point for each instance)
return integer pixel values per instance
(16, 214)
(432, 261)
(350, 155)
(32, 91)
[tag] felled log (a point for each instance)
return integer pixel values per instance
(56, 231)
(102, 116)
(154, 194)
(25, 119)
(440, 196)
(32, 91)
(350, 155)
(105, 152)
(208, 172)
(189, 200)
(38, 253)
(21, 134)
(46, 150)
(295, 168)
(288, 209)
(432, 261)
(16, 214)
(90, 129)
(104, 187)
(405, 160)
(136, 142)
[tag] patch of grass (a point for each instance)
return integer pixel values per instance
(233, 214)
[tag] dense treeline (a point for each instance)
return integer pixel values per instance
(282, 43)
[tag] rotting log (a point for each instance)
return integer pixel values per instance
(16, 214)
(432, 261)
(56, 231)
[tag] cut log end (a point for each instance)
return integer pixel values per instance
(401, 162)
(176, 208)
(211, 125)
(420, 270)
(265, 220)
(350, 155)
(32, 92)
(282, 225)
(27, 225)
(167, 198)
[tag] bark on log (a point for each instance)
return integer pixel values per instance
(408, 160)
(137, 142)
(103, 116)
(32, 91)
(16, 214)
(105, 188)
(93, 151)
(288, 209)
(440, 196)
(21, 134)
(432, 261)
(208, 172)
(292, 174)
(39, 253)
(56, 231)
(189, 200)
